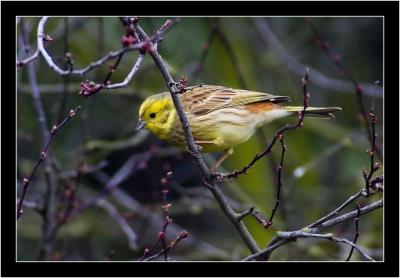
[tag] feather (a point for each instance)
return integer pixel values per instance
(201, 100)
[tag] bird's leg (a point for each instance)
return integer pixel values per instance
(199, 143)
(228, 152)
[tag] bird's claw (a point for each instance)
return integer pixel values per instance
(219, 177)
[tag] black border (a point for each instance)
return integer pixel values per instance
(388, 268)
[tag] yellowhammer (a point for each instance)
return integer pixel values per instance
(220, 118)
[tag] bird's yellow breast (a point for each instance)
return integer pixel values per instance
(216, 131)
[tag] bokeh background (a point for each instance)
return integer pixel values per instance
(322, 167)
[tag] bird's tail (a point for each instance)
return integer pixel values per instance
(318, 112)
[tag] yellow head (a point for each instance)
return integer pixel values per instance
(157, 114)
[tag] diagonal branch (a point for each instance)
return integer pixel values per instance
(208, 180)
(329, 236)
(296, 66)
(336, 59)
(43, 155)
(277, 242)
(278, 136)
(126, 229)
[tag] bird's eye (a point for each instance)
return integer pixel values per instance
(152, 115)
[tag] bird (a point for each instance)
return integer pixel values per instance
(220, 118)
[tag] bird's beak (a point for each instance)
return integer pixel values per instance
(141, 124)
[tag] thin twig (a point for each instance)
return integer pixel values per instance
(294, 65)
(22, 63)
(129, 168)
(337, 210)
(69, 63)
(357, 232)
(277, 136)
(301, 234)
(27, 180)
(255, 214)
(209, 181)
(41, 38)
(374, 150)
(277, 242)
(336, 58)
(162, 235)
(192, 242)
(89, 88)
(126, 229)
(170, 246)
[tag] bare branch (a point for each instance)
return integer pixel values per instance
(89, 88)
(171, 245)
(336, 59)
(194, 243)
(337, 210)
(208, 180)
(126, 229)
(161, 236)
(21, 63)
(357, 232)
(279, 135)
(26, 181)
(294, 65)
(301, 234)
(277, 242)
(374, 150)
(41, 38)
(129, 168)
(256, 215)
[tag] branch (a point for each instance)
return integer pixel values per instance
(337, 210)
(27, 180)
(373, 166)
(294, 65)
(276, 242)
(336, 59)
(171, 245)
(256, 215)
(89, 88)
(129, 168)
(126, 229)
(22, 63)
(300, 234)
(154, 219)
(350, 215)
(37, 101)
(42, 37)
(279, 135)
(357, 232)
(209, 181)
(161, 236)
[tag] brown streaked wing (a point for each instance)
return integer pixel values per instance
(204, 99)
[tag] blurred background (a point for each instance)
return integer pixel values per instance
(106, 177)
